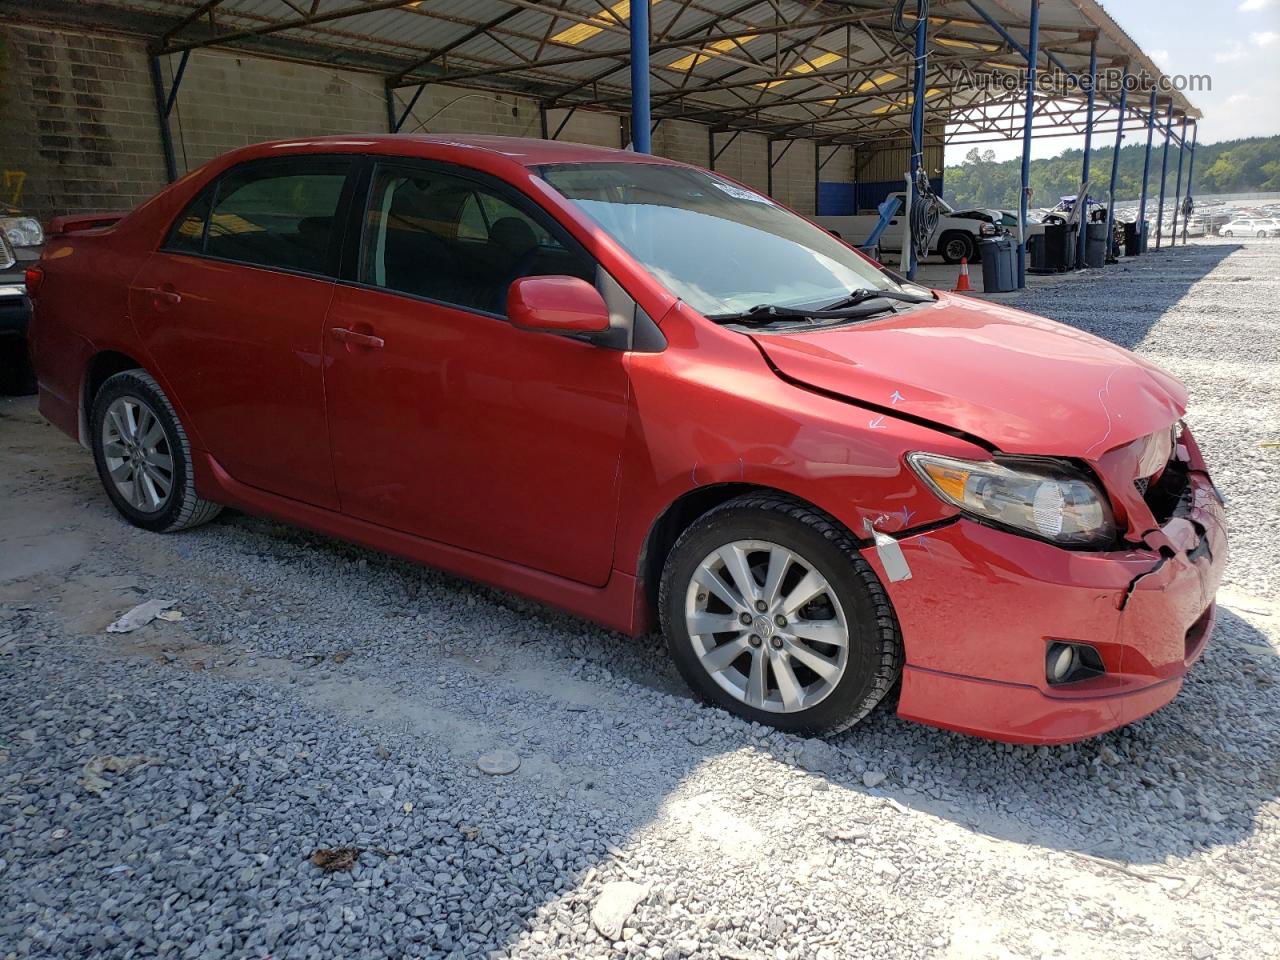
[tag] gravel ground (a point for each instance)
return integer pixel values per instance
(162, 792)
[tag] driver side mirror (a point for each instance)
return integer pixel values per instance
(556, 305)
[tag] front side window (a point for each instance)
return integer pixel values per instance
(448, 238)
(719, 246)
(276, 214)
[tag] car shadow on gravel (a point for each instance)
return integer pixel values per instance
(1123, 301)
(1193, 775)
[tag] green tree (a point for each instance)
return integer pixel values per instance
(1233, 166)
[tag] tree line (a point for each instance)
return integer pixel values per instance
(1233, 166)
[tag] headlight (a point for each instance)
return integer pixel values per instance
(1044, 498)
(22, 231)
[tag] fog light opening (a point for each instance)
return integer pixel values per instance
(1071, 662)
(1061, 660)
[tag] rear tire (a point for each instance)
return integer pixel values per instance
(144, 457)
(815, 668)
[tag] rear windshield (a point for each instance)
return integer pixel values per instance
(715, 244)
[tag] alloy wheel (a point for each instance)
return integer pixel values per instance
(138, 457)
(767, 626)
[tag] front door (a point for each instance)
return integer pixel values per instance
(446, 421)
(232, 309)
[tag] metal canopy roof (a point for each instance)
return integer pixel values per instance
(833, 70)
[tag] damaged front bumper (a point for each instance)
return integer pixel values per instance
(982, 606)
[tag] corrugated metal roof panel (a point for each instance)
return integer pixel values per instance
(782, 60)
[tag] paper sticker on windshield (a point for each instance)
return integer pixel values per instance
(740, 193)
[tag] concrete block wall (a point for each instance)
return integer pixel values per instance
(793, 176)
(454, 110)
(79, 122)
(681, 140)
(227, 101)
(583, 126)
(82, 133)
(743, 158)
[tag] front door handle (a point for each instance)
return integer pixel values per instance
(357, 339)
(165, 294)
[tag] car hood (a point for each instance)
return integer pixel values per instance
(1021, 383)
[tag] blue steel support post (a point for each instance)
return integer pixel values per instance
(1115, 159)
(640, 129)
(1177, 189)
(1191, 170)
(1088, 145)
(164, 107)
(389, 96)
(1164, 169)
(917, 111)
(1146, 175)
(1033, 46)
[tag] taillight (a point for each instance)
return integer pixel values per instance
(35, 276)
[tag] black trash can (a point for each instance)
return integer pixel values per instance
(1131, 240)
(1070, 237)
(1036, 260)
(1095, 245)
(1054, 250)
(999, 264)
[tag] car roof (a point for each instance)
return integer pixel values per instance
(526, 151)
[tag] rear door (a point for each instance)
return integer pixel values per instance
(446, 421)
(232, 310)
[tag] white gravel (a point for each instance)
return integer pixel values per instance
(315, 695)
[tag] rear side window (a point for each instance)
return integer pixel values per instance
(448, 238)
(187, 235)
(281, 214)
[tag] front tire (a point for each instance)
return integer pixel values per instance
(771, 613)
(143, 455)
(956, 247)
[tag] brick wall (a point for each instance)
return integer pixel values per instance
(82, 133)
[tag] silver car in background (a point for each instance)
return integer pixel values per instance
(1250, 227)
(21, 239)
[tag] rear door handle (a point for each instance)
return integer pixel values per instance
(358, 339)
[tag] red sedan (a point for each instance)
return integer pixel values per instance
(649, 395)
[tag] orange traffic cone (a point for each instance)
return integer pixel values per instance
(962, 281)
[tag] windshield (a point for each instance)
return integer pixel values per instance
(718, 246)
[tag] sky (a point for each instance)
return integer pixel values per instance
(1235, 42)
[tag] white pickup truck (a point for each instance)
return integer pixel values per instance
(955, 238)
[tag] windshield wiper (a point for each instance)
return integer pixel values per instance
(767, 313)
(862, 296)
(857, 305)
